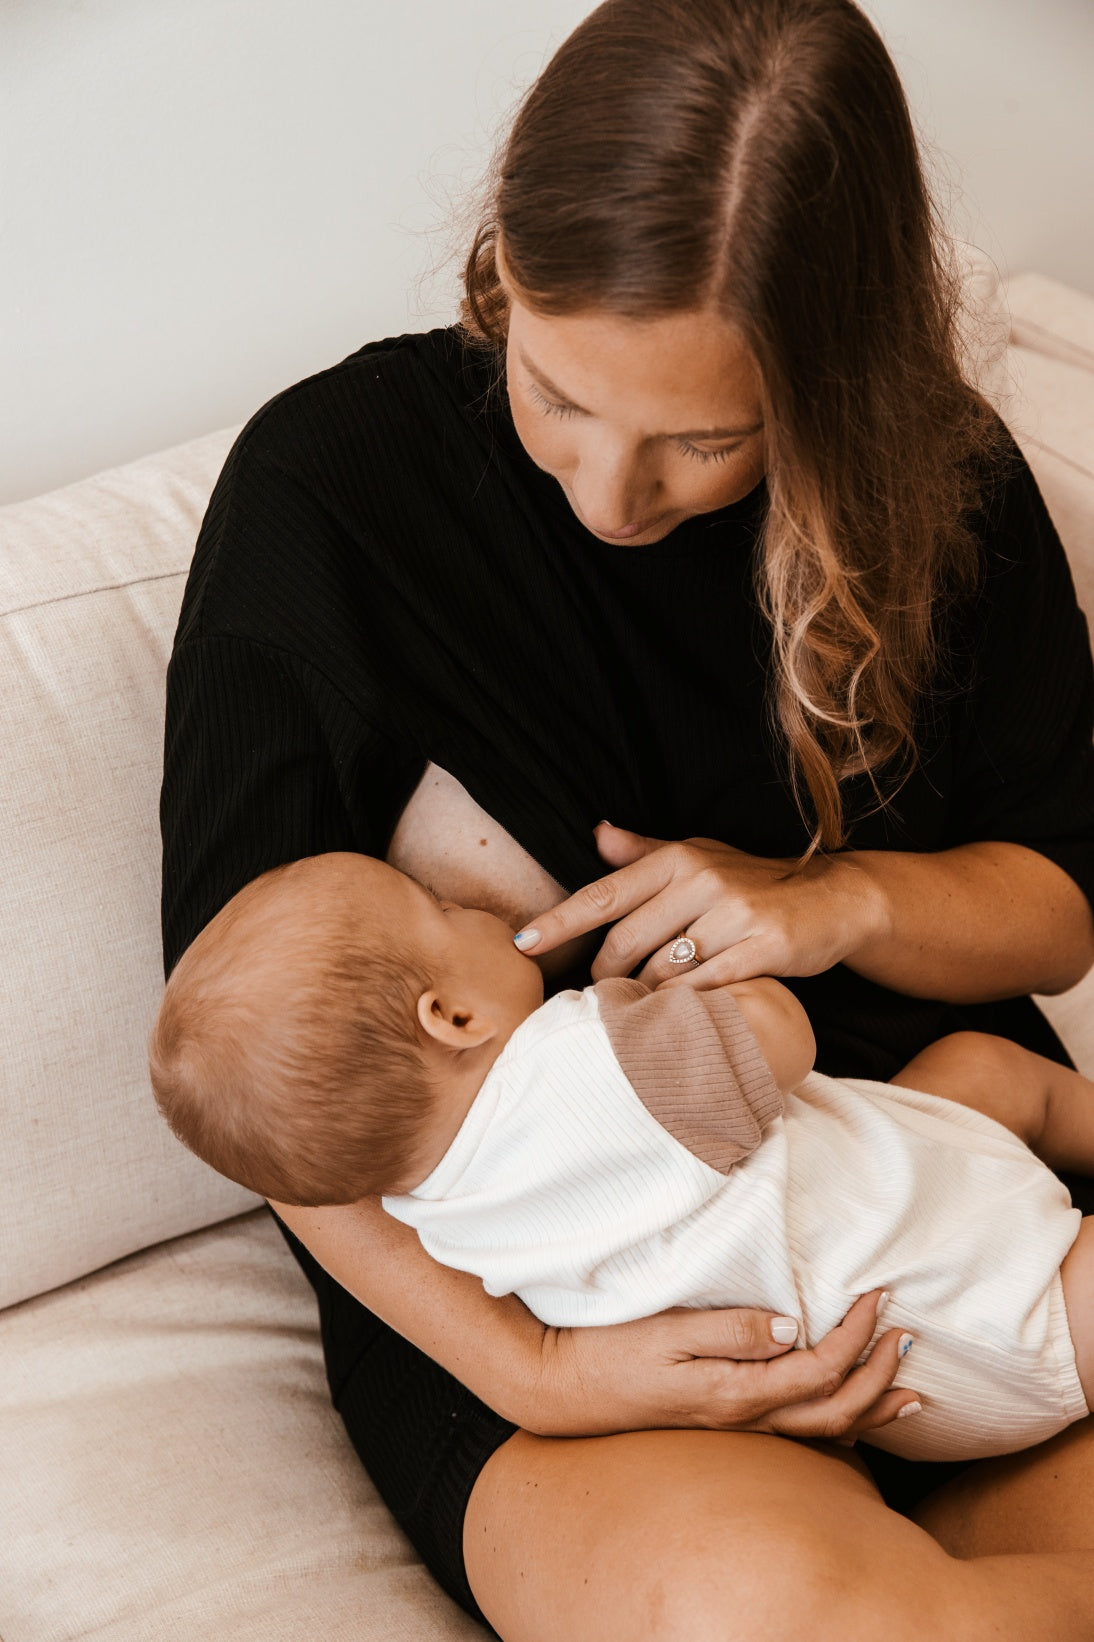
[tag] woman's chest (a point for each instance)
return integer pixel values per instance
(448, 842)
(560, 682)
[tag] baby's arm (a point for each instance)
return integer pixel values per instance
(780, 1026)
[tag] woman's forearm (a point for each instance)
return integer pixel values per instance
(971, 924)
(722, 1369)
(491, 1346)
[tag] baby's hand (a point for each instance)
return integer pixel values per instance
(780, 1026)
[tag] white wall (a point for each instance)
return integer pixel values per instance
(203, 200)
(1003, 90)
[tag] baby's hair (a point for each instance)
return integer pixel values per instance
(287, 1052)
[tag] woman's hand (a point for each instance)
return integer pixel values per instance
(965, 925)
(720, 1370)
(747, 915)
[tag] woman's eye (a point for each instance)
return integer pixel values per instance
(555, 407)
(550, 407)
(706, 455)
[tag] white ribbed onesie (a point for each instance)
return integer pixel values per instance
(611, 1166)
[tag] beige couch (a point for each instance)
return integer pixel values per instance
(169, 1465)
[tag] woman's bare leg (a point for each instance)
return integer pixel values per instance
(696, 1536)
(1030, 1505)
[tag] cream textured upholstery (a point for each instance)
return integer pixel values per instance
(169, 1465)
(173, 1470)
(90, 583)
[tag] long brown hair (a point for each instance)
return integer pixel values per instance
(757, 158)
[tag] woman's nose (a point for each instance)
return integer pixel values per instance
(611, 490)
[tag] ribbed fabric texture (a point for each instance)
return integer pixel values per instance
(562, 1187)
(694, 1063)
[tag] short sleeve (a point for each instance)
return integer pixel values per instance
(276, 745)
(694, 1063)
(264, 762)
(1023, 759)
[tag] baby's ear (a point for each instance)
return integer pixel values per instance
(453, 1025)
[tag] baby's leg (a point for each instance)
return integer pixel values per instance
(1048, 1106)
(1077, 1276)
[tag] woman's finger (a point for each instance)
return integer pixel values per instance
(658, 930)
(896, 1404)
(755, 1395)
(742, 1334)
(619, 848)
(721, 1333)
(723, 955)
(602, 902)
(865, 1400)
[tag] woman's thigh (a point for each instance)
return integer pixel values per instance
(1036, 1502)
(703, 1536)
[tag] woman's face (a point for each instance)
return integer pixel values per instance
(644, 423)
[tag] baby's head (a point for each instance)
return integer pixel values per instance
(322, 1038)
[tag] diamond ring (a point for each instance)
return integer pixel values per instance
(684, 951)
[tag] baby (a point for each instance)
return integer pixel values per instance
(336, 1032)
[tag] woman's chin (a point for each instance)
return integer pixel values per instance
(635, 535)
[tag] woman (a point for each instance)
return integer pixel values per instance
(694, 524)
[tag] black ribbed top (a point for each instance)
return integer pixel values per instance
(384, 578)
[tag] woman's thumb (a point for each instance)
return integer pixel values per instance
(619, 848)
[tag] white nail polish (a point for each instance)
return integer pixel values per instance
(909, 1408)
(905, 1344)
(784, 1330)
(526, 938)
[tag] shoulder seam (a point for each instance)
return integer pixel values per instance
(274, 650)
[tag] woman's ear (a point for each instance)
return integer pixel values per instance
(454, 1025)
(499, 264)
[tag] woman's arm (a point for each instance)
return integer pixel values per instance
(971, 924)
(718, 1369)
(981, 921)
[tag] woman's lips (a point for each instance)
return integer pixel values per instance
(627, 533)
(622, 535)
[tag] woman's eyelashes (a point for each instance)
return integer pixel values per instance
(550, 407)
(556, 407)
(706, 455)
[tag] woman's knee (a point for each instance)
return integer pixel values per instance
(832, 1580)
(767, 1583)
(689, 1536)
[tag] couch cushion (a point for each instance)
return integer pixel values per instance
(1052, 319)
(985, 322)
(1050, 410)
(172, 1468)
(90, 583)
(1051, 413)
